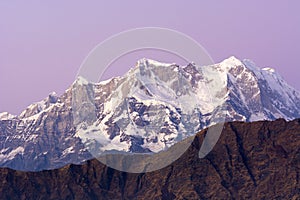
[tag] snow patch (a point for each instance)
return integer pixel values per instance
(68, 151)
(4, 156)
(271, 70)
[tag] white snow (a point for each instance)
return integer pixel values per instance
(81, 81)
(96, 133)
(68, 151)
(146, 61)
(4, 156)
(6, 116)
(271, 70)
(230, 62)
(258, 116)
(104, 82)
(53, 94)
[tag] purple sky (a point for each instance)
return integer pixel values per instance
(43, 44)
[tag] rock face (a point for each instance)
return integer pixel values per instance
(41, 138)
(149, 109)
(258, 160)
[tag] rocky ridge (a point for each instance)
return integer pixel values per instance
(258, 160)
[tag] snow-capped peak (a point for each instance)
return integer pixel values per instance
(144, 62)
(231, 61)
(185, 91)
(81, 81)
(150, 108)
(53, 97)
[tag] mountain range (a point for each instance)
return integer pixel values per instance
(148, 110)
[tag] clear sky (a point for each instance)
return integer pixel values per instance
(42, 43)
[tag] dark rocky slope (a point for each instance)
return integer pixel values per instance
(259, 160)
